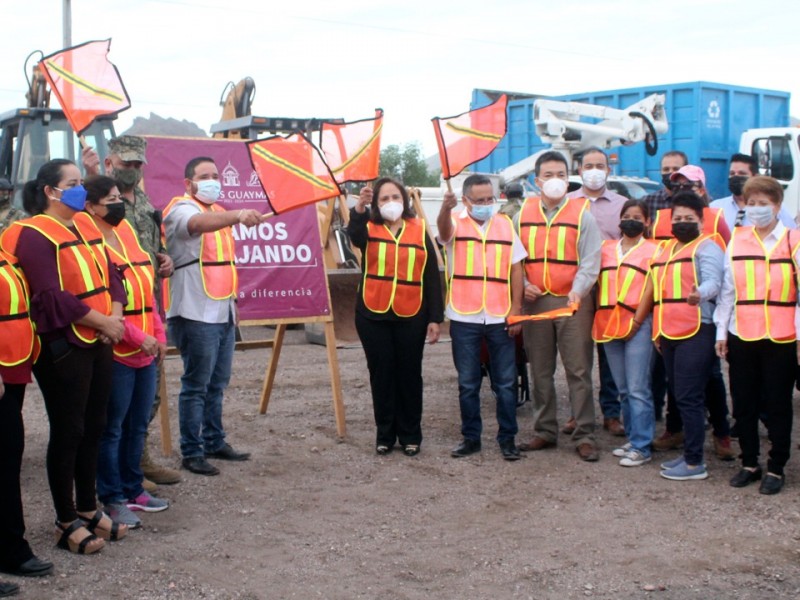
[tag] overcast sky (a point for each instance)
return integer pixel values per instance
(416, 59)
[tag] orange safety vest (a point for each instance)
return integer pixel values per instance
(19, 341)
(394, 267)
(81, 260)
(138, 278)
(553, 260)
(621, 288)
(166, 295)
(674, 275)
(662, 228)
(481, 276)
(217, 255)
(765, 285)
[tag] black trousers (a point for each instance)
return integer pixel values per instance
(14, 550)
(762, 379)
(394, 359)
(75, 384)
(716, 405)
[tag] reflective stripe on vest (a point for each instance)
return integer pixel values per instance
(217, 255)
(139, 278)
(19, 342)
(82, 265)
(765, 286)
(481, 274)
(621, 287)
(552, 261)
(394, 267)
(662, 228)
(674, 274)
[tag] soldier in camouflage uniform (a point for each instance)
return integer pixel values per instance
(515, 194)
(124, 163)
(8, 213)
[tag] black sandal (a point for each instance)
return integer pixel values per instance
(93, 525)
(382, 449)
(64, 542)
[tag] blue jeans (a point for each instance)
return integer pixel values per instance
(629, 362)
(689, 365)
(466, 346)
(207, 353)
(609, 395)
(119, 474)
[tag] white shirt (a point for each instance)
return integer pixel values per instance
(723, 315)
(518, 254)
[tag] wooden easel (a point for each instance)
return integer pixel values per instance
(333, 369)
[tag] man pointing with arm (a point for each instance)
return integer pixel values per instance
(202, 316)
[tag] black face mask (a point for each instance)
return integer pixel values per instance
(116, 212)
(736, 184)
(631, 227)
(667, 181)
(685, 231)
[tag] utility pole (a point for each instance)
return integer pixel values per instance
(67, 23)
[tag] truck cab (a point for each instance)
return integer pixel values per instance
(777, 150)
(29, 137)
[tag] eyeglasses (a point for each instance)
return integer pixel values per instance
(481, 201)
(687, 186)
(739, 218)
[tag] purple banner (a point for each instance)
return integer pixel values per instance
(280, 263)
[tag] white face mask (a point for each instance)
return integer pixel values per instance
(593, 179)
(554, 188)
(391, 211)
(760, 216)
(208, 190)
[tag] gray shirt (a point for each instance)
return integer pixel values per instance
(709, 257)
(189, 300)
(590, 241)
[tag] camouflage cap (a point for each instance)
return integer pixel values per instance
(128, 147)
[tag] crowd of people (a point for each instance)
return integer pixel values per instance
(664, 287)
(83, 305)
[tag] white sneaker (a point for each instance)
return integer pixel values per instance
(634, 458)
(622, 450)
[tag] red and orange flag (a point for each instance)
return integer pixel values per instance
(566, 311)
(470, 136)
(292, 171)
(353, 150)
(86, 84)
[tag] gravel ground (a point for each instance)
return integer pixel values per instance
(310, 516)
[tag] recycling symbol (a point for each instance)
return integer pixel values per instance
(713, 109)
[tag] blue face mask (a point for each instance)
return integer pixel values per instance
(482, 212)
(208, 190)
(74, 197)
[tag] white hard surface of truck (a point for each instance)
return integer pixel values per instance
(777, 151)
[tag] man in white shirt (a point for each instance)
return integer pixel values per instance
(485, 279)
(742, 168)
